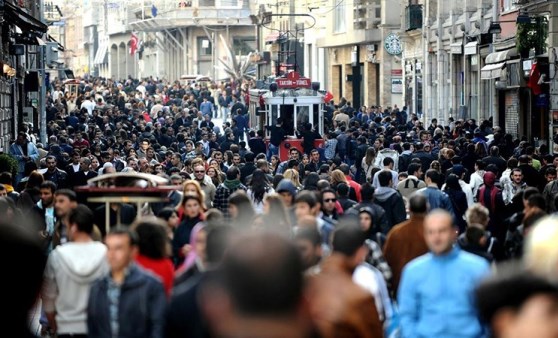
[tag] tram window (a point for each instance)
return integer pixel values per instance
(287, 114)
(273, 115)
(317, 122)
(302, 116)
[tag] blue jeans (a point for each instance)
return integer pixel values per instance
(272, 150)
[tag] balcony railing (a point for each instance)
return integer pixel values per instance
(413, 17)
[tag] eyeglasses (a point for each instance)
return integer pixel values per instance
(329, 200)
(199, 171)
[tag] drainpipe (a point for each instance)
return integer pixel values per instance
(496, 113)
(441, 73)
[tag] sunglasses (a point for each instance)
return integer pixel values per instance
(199, 171)
(329, 200)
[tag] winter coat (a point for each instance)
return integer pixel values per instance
(141, 307)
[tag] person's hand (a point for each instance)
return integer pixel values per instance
(186, 249)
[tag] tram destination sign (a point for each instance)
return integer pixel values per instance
(293, 80)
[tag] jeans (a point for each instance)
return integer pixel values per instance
(272, 150)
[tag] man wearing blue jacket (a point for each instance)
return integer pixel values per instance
(128, 302)
(436, 290)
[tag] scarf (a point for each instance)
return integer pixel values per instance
(232, 184)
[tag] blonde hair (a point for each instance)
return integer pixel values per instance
(199, 192)
(477, 214)
(337, 177)
(541, 251)
(292, 175)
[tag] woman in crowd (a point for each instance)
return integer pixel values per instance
(292, 175)
(31, 194)
(192, 215)
(191, 187)
(258, 190)
(170, 216)
(368, 163)
(154, 250)
(274, 164)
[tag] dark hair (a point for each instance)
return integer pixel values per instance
(308, 197)
(35, 180)
(452, 183)
(68, 193)
(232, 173)
(310, 234)
(166, 213)
(263, 275)
(347, 239)
(413, 168)
(246, 210)
(474, 234)
(48, 185)
(311, 181)
(6, 178)
(537, 200)
(345, 169)
(387, 161)
(342, 189)
(125, 231)
(528, 192)
(367, 192)
(418, 203)
(480, 164)
(384, 177)
(152, 238)
(83, 217)
(259, 185)
(533, 218)
(27, 269)
(433, 175)
(510, 288)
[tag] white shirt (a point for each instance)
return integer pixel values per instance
(89, 105)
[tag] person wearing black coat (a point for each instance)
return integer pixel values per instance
(141, 305)
(458, 200)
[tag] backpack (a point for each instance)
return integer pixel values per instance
(379, 161)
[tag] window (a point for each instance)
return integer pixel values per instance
(204, 47)
(206, 3)
(339, 15)
(244, 45)
(509, 5)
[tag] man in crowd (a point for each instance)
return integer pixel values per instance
(71, 270)
(128, 301)
(435, 294)
(405, 241)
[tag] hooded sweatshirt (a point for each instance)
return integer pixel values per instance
(393, 204)
(71, 270)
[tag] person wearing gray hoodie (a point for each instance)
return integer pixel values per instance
(71, 270)
(390, 199)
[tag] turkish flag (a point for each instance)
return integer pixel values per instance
(328, 97)
(534, 78)
(133, 43)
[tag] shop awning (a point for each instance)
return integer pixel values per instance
(15, 15)
(502, 56)
(101, 53)
(471, 48)
(51, 39)
(492, 71)
(456, 48)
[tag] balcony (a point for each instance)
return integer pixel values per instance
(167, 14)
(413, 17)
(366, 14)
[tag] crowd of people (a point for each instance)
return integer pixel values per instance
(391, 228)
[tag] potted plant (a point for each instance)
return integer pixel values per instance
(8, 163)
(532, 35)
